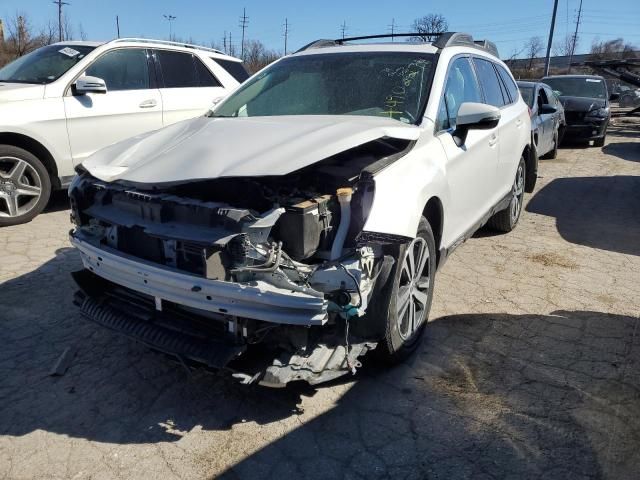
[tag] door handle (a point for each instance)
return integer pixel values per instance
(493, 140)
(518, 123)
(148, 103)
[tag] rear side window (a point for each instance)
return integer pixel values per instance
(490, 82)
(235, 69)
(512, 88)
(205, 77)
(178, 69)
(461, 86)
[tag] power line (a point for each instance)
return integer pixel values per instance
(244, 23)
(575, 37)
(286, 34)
(60, 3)
(392, 27)
(343, 28)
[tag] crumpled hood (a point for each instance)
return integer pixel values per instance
(10, 92)
(204, 148)
(581, 104)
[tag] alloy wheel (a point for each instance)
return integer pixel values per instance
(413, 288)
(518, 194)
(20, 187)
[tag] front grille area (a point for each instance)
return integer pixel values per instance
(574, 118)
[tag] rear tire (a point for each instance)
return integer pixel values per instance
(25, 186)
(507, 219)
(402, 308)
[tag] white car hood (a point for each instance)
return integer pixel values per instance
(203, 148)
(10, 92)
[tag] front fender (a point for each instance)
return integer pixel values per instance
(403, 189)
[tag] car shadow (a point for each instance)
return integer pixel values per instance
(529, 395)
(598, 212)
(625, 150)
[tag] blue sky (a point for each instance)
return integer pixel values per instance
(507, 22)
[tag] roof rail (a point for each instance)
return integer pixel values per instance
(442, 40)
(166, 42)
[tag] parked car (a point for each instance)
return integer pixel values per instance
(586, 105)
(303, 219)
(61, 103)
(628, 96)
(547, 117)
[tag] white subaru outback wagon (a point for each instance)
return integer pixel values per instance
(65, 101)
(300, 223)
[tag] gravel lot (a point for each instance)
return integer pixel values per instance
(530, 367)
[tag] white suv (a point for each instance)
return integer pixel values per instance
(304, 218)
(65, 101)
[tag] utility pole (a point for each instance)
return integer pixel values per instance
(547, 60)
(286, 34)
(170, 19)
(118, 26)
(224, 41)
(232, 51)
(244, 22)
(393, 27)
(575, 37)
(60, 3)
(343, 27)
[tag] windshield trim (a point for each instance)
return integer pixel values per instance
(434, 57)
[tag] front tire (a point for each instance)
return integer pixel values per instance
(599, 142)
(403, 306)
(25, 186)
(507, 219)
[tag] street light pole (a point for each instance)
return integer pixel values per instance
(170, 19)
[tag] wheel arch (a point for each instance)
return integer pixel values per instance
(36, 148)
(530, 156)
(434, 213)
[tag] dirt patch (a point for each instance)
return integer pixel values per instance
(552, 260)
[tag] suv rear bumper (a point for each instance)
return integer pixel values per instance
(257, 300)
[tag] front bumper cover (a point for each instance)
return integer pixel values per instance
(257, 300)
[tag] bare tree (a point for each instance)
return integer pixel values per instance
(533, 48)
(429, 25)
(564, 46)
(81, 32)
(256, 55)
(67, 28)
(611, 49)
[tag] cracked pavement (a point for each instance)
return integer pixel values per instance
(529, 368)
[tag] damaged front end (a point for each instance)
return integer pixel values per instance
(258, 275)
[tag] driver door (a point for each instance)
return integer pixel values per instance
(131, 106)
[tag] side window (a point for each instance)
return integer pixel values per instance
(512, 88)
(205, 77)
(123, 69)
(461, 86)
(178, 69)
(550, 96)
(542, 98)
(490, 82)
(235, 69)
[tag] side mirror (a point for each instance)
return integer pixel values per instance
(88, 84)
(474, 116)
(546, 109)
(614, 96)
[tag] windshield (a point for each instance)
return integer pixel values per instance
(578, 87)
(44, 65)
(384, 84)
(527, 95)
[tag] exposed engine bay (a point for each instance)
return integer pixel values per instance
(213, 270)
